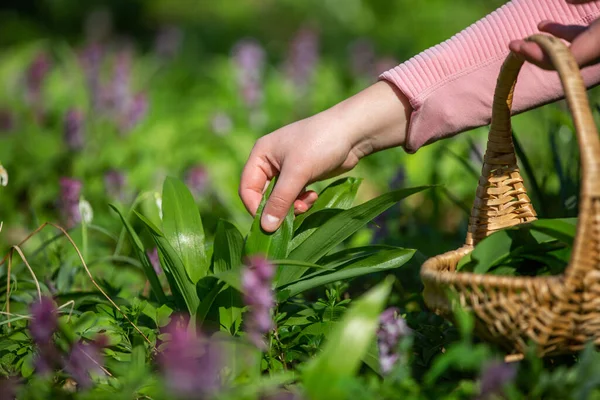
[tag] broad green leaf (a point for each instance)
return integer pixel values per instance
(381, 261)
(343, 225)
(339, 194)
(523, 241)
(311, 224)
(289, 271)
(228, 247)
(174, 268)
(232, 277)
(144, 260)
(271, 245)
(230, 305)
(208, 288)
(563, 229)
(183, 229)
(325, 377)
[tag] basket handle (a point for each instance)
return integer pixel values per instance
(501, 199)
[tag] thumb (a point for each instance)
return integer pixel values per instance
(289, 185)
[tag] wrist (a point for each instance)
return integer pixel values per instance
(374, 119)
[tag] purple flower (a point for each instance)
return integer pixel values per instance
(362, 58)
(258, 295)
(384, 64)
(392, 329)
(190, 364)
(42, 327)
(70, 192)
(154, 260)
(196, 180)
(44, 320)
(221, 124)
(85, 358)
(73, 129)
(121, 83)
(138, 108)
(115, 183)
(250, 59)
(168, 42)
(8, 388)
(91, 59)
(303, 57)
(7, 120)
(36, 73)
(494, 377)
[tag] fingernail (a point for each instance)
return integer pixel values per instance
(271, 221)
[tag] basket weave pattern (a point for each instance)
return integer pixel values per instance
(559, 314)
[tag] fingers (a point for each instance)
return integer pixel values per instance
(585, 47)
(530, 52)
(566, 32)
(255, 178)
(289, 185)
(305, 201)
(533, 53)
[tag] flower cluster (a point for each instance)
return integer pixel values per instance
(302, 58)
(392, 329)
(115, 183)
(81, 359)
(258, 295)
(249, 57)
(494, 377)
(74, 130)
(196, 180)
(190, 363)
(362, 58)
(70, 192)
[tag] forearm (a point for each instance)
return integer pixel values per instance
(374, 119)
(450, 86)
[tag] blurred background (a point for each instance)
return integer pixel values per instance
(103, 99)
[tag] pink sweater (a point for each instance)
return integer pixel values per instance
(450, 86)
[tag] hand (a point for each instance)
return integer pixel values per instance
(320, 147)
(585, 43)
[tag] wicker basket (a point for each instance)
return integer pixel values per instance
(559, 314)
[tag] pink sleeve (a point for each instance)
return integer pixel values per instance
(450, 86)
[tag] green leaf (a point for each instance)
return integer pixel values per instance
(149, 271)
(311, 224)
(526, 240)
(381, 261)
(289, 271)
(183, 228)
(563, 229)
(325, 377)
(228, 247)
(269, 244)
(230, 305)
(181, 285)
(208, 288)
(343, 225)
(339, 194)
(232, 277)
